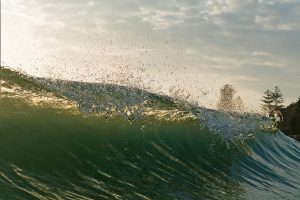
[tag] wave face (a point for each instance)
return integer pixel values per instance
(71, 140)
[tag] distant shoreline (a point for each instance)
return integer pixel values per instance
(291, 120)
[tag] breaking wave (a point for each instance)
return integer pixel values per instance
(73, 140)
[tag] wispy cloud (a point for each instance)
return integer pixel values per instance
(249, 39)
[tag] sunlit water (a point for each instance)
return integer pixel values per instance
(72, 140)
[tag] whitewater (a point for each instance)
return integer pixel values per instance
(64, 139)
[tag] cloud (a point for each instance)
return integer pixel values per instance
(260, 53)
(273, 23)
(250, 39)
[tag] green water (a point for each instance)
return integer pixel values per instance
(52, 152)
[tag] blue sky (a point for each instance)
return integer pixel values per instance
(187, 48)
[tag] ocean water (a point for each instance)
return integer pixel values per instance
(72, 140)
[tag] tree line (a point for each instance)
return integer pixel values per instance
(285, 118)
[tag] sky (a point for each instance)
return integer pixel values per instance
(186, 48)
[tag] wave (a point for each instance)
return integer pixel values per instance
(64, 139)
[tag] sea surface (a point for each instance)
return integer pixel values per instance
(73, 140)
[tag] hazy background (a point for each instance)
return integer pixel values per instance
(184, 48)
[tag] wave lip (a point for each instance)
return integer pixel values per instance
(131, 103)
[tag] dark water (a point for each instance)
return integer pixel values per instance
(142, 146)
